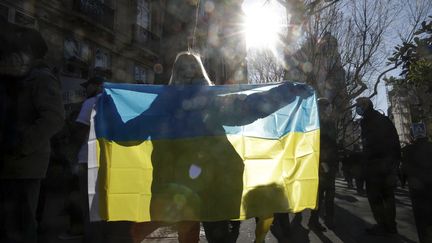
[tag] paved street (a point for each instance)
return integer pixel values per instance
(352, 217)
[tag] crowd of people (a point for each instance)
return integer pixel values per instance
(31, 113)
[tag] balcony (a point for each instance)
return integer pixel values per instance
(96, 11)
(146, 39)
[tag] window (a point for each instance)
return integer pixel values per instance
(77, 57)
(15, 16)
(142, 75)
(102, 59)
(205, 7)
(24, 20)
(96, 10)
(76, 50)
(143, 13)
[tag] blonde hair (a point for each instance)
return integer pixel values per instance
(182, 57)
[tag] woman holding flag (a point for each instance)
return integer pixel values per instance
(189, 70)
(195, 168)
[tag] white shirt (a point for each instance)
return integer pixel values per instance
(85, 117)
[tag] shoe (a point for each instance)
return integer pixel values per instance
(70, 236)
(317, 227)
(377, 230)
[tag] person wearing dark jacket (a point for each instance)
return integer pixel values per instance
(31, 112)
(356, 159)
(232, 110)
(328, 163)
(381, 150)
(417, 166)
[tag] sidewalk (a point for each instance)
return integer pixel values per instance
(352, 216)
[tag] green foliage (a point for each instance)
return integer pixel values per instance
(420, 73)
(415, 57)
(394, 81)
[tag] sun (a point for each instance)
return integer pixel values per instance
(263, 24)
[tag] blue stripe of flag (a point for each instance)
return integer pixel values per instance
(130, 112)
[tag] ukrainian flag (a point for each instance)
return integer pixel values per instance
(204, 153)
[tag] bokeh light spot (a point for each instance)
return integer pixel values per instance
(194, 171)
(158, 68)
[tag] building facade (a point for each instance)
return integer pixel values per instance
(132, 41)
(400, 113)
(408, 106)
(115, 39)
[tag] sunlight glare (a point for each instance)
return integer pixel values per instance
(263, 24)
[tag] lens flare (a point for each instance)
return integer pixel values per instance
(263, 25)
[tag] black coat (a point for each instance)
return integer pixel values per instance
(417, 163)
(329, 159)
(379, 136)
(380, 145)
(31, 112)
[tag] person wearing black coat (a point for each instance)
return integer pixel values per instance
(328, 164)
(31, 112)
(417, 167)
(356, 158)
(381, 150)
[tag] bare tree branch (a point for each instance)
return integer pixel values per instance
(379, 79)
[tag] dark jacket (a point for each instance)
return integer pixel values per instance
(329, 159)
(417, 163)
(381, 148)
(379, 136)
(31, 112)
(354, 162)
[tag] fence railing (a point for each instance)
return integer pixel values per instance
(96, 11)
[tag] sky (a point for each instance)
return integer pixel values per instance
(262, 30)
(391, 37)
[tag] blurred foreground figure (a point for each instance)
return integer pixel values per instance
(417, 166)
(381, 150)
(78, 197)
(353, 161)
(187, 70)
(328, 163)
(31, 112)
(356, 158)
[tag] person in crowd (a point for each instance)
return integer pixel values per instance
(354, 160)
(381, 150)
(401, 175)
(99, 231)
(188, 70)
(77, 148)
(417, 167)
(328, 164)
(347, 169)
(31, 112)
